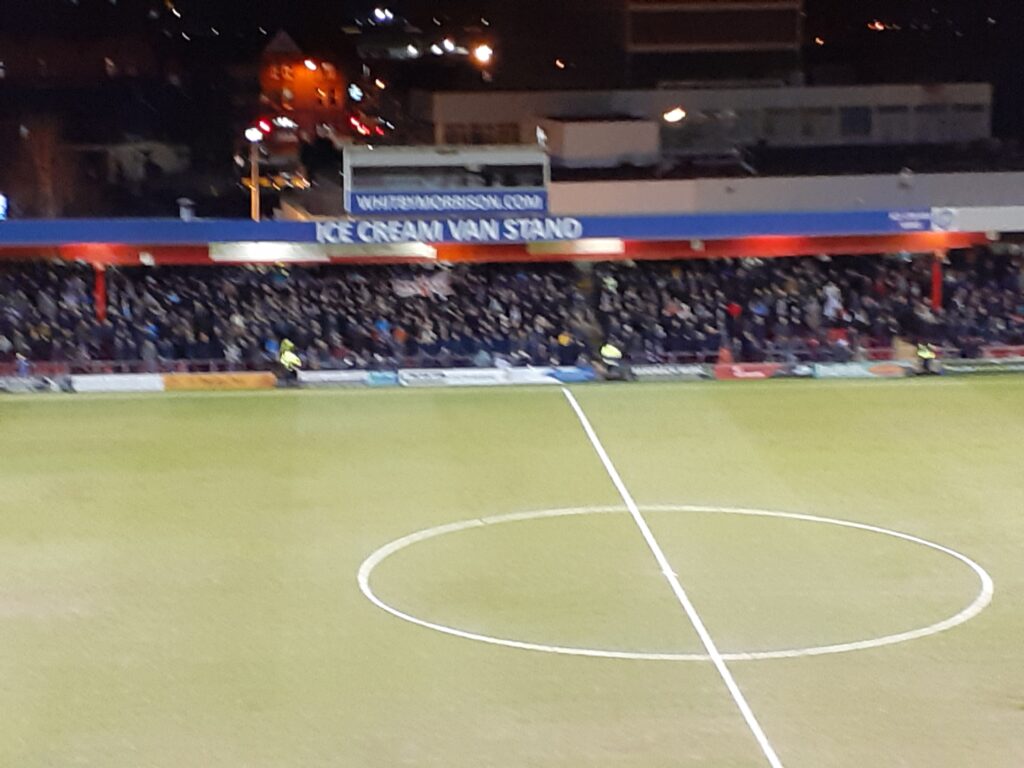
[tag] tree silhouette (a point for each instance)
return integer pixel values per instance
(45, 171)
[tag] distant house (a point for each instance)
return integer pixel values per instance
(300, 94)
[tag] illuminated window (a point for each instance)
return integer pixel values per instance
(287, 73)
(329, 71)
(275, 72)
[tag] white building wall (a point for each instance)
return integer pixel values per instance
(814, 193)
(799, 116)
(597, 144)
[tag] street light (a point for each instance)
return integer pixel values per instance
(254, 136)
(483, 54)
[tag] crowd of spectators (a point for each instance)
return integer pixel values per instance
(821, 309)
(339, 316)
(355, 317)
(47, 312)
(236, 317)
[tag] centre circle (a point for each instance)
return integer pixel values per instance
(976, 606)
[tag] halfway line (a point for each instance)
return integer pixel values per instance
(677, 587)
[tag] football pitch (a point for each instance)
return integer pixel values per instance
(807, 574)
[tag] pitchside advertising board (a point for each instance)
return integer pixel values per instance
(762, 371)
(448, 377)
(969, 367)
(866, 370)
(20, 385)
(671, 372)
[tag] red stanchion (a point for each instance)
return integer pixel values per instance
(100, 291)
(937, 261)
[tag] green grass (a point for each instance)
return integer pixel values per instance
(178, 577)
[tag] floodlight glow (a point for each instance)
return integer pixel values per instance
(483, 53)
(676, 115)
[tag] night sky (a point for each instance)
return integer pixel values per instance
(920, 40)
(960, 29)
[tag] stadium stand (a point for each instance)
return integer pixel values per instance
(232, 318)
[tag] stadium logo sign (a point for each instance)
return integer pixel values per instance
(437, 231)
(912, 221)
(944, 219)
(449, 202)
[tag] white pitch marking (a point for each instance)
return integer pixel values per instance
(979, 603)
(677, 588)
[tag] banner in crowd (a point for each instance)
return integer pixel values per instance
(448, 201)
(426, 286)
(874, 370)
